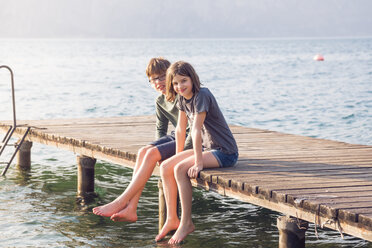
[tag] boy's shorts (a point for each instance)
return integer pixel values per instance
(225, 160)
(166, 146)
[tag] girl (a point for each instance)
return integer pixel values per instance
(213, 145)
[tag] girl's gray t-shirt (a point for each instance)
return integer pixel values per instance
(216, 134)
(168, 112)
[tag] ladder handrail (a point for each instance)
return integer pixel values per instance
(13, 128)
(13, 97)
(15, 152)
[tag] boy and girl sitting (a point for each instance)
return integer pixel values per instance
(183, 154)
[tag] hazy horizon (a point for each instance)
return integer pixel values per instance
(206, 19)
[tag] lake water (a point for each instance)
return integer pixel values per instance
(267, 84)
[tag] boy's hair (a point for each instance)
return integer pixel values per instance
(157, 66)
(183, 69)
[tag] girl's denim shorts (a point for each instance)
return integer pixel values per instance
(224, 159)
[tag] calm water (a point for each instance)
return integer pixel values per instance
(268, 84)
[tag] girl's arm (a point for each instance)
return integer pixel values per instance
(181, 131)
(196, 133)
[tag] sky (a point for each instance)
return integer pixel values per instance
(184, 18)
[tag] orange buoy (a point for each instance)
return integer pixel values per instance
(318, 57)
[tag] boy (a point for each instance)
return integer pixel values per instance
(124, 208)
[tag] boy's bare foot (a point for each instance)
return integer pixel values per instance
(182, 233)
(168, 226)
(127, 215)
(109, 209)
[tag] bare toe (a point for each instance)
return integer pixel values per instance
(168, 226)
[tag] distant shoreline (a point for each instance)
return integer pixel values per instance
(186, 38)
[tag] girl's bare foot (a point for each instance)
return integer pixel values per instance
(168, 226)
(181, 233)
(109, 209)
(127, 215)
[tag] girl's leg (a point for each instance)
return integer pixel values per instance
(147, 159)
(185, 189)
(170, 192)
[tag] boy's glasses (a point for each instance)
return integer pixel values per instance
(160, 78)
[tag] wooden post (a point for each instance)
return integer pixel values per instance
(162, 206)
(24, 155)
(85, 176)
(291, 232)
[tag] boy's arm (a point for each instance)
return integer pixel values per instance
(181, 131)
(196, 133)
(161, 123)
(188, 142)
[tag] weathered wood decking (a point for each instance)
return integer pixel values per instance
(316, 180)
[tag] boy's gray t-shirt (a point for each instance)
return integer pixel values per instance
(216, 134)
(168, 112)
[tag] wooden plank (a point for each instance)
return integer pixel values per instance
(330, 206)
(365, 219)
(352, 214)
(262, 169)
(298, 180)
(347, 172)
(290, 195)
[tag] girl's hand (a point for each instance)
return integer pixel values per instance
(194, 170)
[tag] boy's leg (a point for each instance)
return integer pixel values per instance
(170, 192)
(135, 187)
(164, 148)
(185, 190)
(141, 154)
(129, 213)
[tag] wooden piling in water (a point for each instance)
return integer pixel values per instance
(85, 175)
(24, 155)
(291, 232)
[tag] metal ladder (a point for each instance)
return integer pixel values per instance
(11, 129)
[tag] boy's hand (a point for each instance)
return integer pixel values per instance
(194, 170)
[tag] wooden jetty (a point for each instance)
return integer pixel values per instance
(320, 181)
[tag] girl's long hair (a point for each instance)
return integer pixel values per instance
(183, 69)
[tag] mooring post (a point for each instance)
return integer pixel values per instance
(162, 205)
(24, 155)
(291, 232)
(85, 176)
